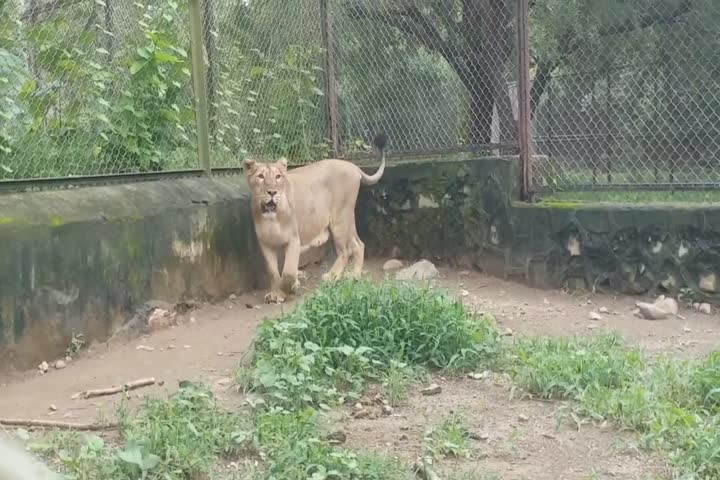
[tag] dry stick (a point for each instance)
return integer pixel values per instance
(143, 382)
(424, 471)
(19, 422)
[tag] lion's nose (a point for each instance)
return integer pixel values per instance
(272, 193)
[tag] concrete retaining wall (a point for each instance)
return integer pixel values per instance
(84, 260)
(468, 212)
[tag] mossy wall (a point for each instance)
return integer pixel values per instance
(84, 260)
(468, 212)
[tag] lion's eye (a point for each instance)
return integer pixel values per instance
(278, 177)
(261, 176)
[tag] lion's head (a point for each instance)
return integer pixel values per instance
(268, 182)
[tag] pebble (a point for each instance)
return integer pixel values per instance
(60, 364)
(595, 316)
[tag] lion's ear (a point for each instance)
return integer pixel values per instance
(248, 166)
(282, 163)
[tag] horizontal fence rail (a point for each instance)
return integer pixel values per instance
(590, 94)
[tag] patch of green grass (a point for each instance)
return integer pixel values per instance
(396, 382)
(448, 439)
(294, 451)
(672, 404)
(176, 438)
(347, 333)
(639, 197)
(565, 368)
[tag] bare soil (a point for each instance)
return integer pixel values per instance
(520, 439)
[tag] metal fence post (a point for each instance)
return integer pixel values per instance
(328, 42)
(523, 94)
(199, 87)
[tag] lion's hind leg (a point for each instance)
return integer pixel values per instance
(341, 233)
(358, 254)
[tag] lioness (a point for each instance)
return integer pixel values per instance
(299, 209)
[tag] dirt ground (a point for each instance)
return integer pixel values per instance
(519, 438)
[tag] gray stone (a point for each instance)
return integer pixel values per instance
(422, 270)
(60, 364)
(392, 264)
(660, 309)
(595, 316)
(705, 308)
(708, 283)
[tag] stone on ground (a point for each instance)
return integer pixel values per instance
(422, 270)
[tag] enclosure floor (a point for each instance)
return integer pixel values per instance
(209, 348)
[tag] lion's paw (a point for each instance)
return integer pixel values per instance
(274, 297)
(290, 284)
(330, 277)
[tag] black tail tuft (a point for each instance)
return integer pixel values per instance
(380, 141)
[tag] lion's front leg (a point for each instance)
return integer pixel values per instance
(275, 295)
(289, 282)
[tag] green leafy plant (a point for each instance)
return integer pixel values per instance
(349, 332)
(448, 439)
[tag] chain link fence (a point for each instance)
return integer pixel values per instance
(622, 93)
(94, 87)
(627, 96)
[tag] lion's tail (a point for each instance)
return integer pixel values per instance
(379, 141)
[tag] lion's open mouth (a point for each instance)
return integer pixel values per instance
(269, 207)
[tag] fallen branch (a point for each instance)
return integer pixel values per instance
(143, 382)
(88, 427)
(424, 471)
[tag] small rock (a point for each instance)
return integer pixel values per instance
(358, 406)
(662, 308)
(233, 297)
(336, 438)
(193, 320)
(223, 382)
(364, 413)
(549, 436)
(403, 437)
(508, 332)
(705, 308)
(145, 348)
(595, 316)
(43, 367)
(603, 310)
(464, 293)
(433, 389)
(708, 283)
(592, 326)
(186, 347)
(464, 273)
(478, 376)
(687, 329)
(483, 437)
(52, 408)
(60, 364)
(523, 418)
(160, 319)
(387, 410)
(422, 270)
(392, 264)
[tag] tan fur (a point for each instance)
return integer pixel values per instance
(313, 203)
